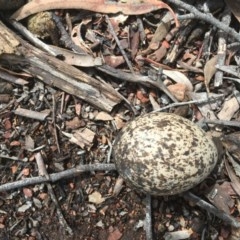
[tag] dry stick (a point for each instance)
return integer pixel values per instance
(222, 122)
(119, 45)
(54, 122)
(221, 55)
(148, 219)
(65, 39)
(207, 100)
(57, 176)
(43, 171)
(210, 208)
(207, 18)
(110, 167)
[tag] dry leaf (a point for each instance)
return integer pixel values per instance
(29, 143)
(114, 61)
(25, 207)
(210, 70)
(82, 137)
(78, 108)
(155, 104)
(142, 97)
(119, 123)
(74, 123)
(178, 90)
(77, 59)
(14, 169)
(103, 116)
(26, 172)
(220, 198)
(96, 198)
(114, 234)
(27, 192)
(229, 108)
(178, 235)
(179, 77)
(15, 143)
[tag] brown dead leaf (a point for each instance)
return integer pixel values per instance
(27, 192)
(155, 104)
(15, 143)
(83, 137)
(74, 123)
(78, 108)
(179, 77)
(229, 108)
(209, 70)
(96, 198)
(114, 234)
(26, 172)
(103, 116)
(7, 124)
(119, 123)
(220, 198)
(114, 61)
(29, 143)
(178, 90)
(142, 97)
(14, 169)
(43, 196)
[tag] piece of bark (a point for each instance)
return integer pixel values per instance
(54, 72)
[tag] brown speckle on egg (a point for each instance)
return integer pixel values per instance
(163, 154)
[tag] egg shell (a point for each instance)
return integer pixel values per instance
(163, 154)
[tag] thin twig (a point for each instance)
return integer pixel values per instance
(207, 18)
(54, 122)
(223, 122)
(57, 176)
(208, 100)
(119, 44)
(43, 171)
(222, 49)
(210, 208)
(148, 219)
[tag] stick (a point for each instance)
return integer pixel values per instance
(43, 171)
(57, 176)
(206, 18)
(210, 208)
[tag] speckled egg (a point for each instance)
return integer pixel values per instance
(163, 154)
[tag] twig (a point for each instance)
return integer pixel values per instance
(65, 38)
(223, 122)
(210, 208)
(148, 219)
(226, 19)
(139, 79)
(57, 176)
(43, 171)
(207, 18)
(208, 100)
(119, 44)
(54, 122)
(28, 35)
(5, 74)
